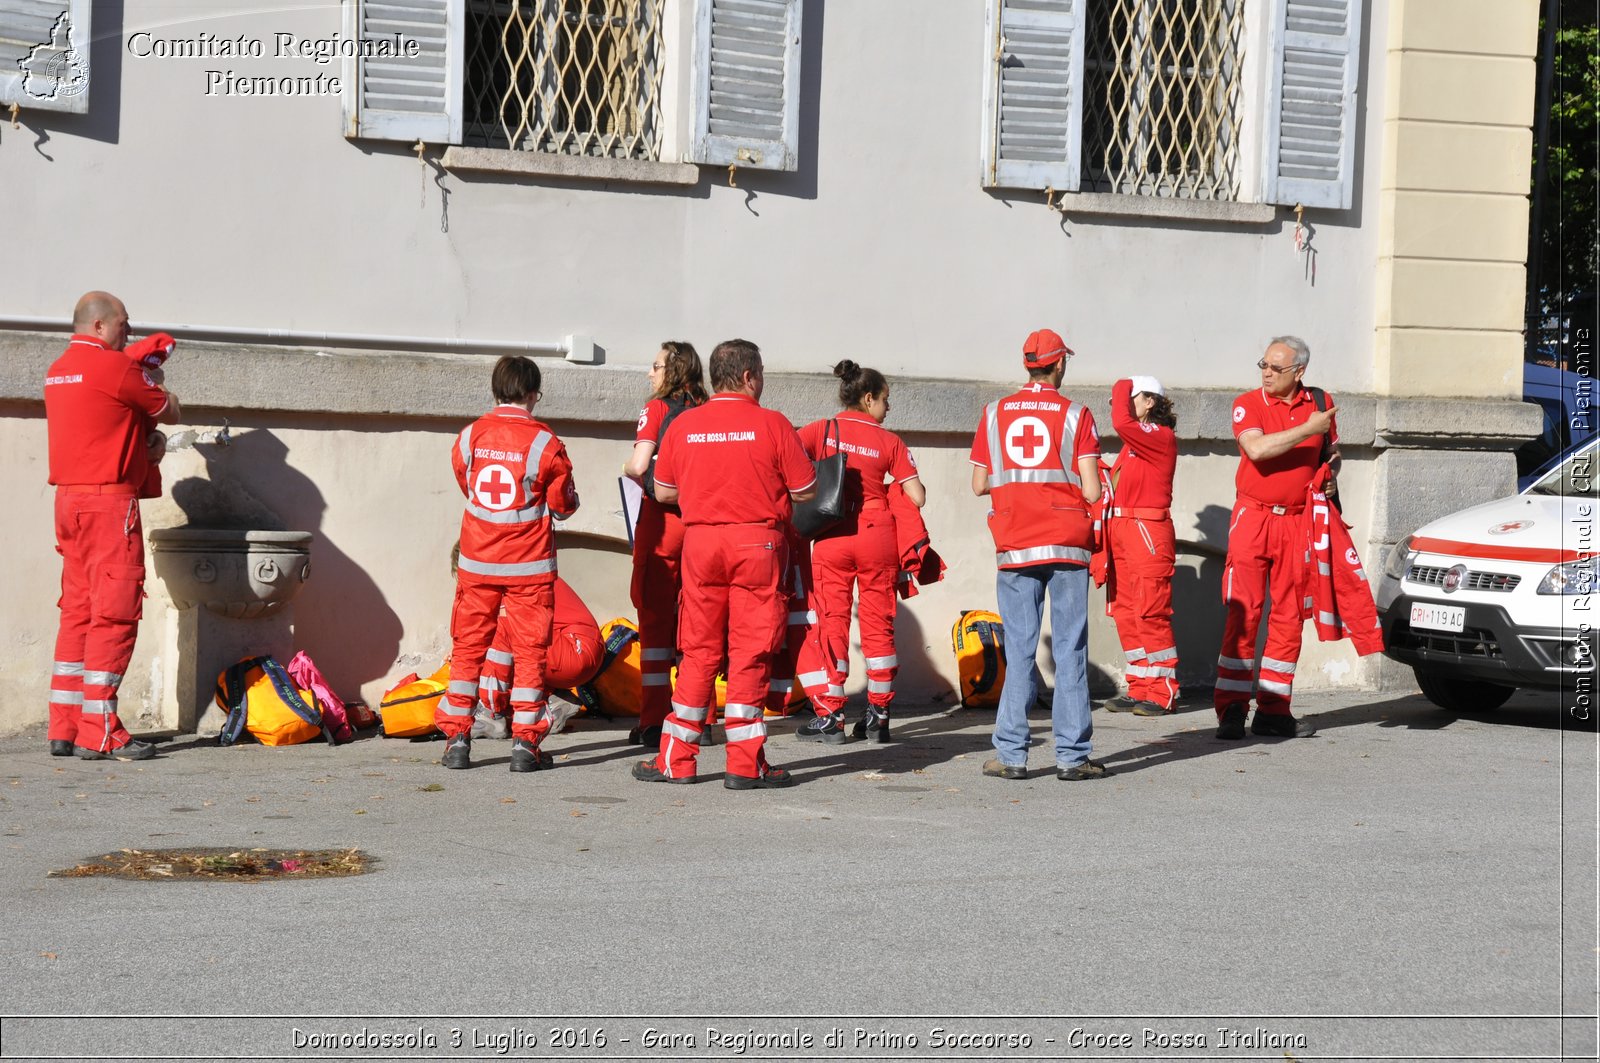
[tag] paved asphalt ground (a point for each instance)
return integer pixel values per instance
(1407, 884)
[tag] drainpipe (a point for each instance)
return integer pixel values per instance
(575, 348)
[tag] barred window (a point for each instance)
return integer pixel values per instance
(571, 77)
(1161, 97)
(1148, 98)
(579, 78)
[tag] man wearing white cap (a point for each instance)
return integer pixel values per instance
(1140, 544)
(1037, 455)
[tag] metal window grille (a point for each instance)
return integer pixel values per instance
(1161, 97)
(570, 77)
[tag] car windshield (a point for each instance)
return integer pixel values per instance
(1573, 477)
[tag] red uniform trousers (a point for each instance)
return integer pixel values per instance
(867, 562)
(569, 662)
(530, 608)
(1143, 553)
(657, 583)
(101, 543)
(1266, 552)
(800, 659)
(732, 608)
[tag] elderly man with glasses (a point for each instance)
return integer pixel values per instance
(1280, 432)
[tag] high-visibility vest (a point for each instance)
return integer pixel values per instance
(1039, 514)
(505, 462)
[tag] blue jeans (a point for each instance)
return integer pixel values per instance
(1021, 594)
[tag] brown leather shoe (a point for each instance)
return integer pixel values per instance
(996, 770)
(1089, 769)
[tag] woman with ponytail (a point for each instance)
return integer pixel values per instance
(861, 552)
(676, 384)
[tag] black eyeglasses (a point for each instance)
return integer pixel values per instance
(1276, 368)
(658, 367)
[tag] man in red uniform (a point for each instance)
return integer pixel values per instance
(1280, 433)
(1037, 455)
(101, 408)
(732, 467)
(516, 476)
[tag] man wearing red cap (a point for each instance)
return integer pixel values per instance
(733, 469)
(101, 408)
(1281, 438)
(1037, 455)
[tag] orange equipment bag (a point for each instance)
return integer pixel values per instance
(407, 710)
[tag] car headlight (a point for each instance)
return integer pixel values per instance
(1399, 560)
(1573, 577)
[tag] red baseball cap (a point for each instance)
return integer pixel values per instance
(1043, 348)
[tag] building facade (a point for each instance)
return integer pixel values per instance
(353, 208)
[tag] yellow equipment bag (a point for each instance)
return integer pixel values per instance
(719, 690)
(259, 697)
(979, 641)
(407, 710)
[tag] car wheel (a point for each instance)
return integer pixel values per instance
(1461, 695)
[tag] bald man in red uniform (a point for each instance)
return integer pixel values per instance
(1280, 433)
(733, 468)
(101, 408)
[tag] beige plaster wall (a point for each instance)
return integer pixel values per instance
(1453, 204)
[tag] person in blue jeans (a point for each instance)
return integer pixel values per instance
(1036, 455)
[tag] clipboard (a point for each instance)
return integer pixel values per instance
(632, 499)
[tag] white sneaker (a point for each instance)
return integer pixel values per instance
(485, 726)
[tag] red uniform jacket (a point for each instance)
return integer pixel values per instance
(100, 406)
(920, 564)
(1030, 443)
(516, 476)
(1340, 600)
(1143, 471)
(733, 462)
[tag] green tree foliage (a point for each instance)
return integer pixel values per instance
(1569, 249)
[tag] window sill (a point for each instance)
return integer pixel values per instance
(1074, 203)
(569, 167)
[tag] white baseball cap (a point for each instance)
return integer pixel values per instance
(1149, 385)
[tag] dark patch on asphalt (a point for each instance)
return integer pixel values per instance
(222, 865)
(596, 800)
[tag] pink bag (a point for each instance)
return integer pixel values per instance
(307, 676)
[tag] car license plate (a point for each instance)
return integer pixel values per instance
(1438, 617)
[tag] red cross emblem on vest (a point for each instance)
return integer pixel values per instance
(494, 487)
(1027, 442)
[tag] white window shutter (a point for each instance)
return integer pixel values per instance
(44, 54)
(1309, 146)
(1033, 94)
(747, 83)
(401, 98)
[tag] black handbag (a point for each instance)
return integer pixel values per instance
(825, 508)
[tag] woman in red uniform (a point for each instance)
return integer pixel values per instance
(861, 551)
(1141, 546)
(676, 383)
